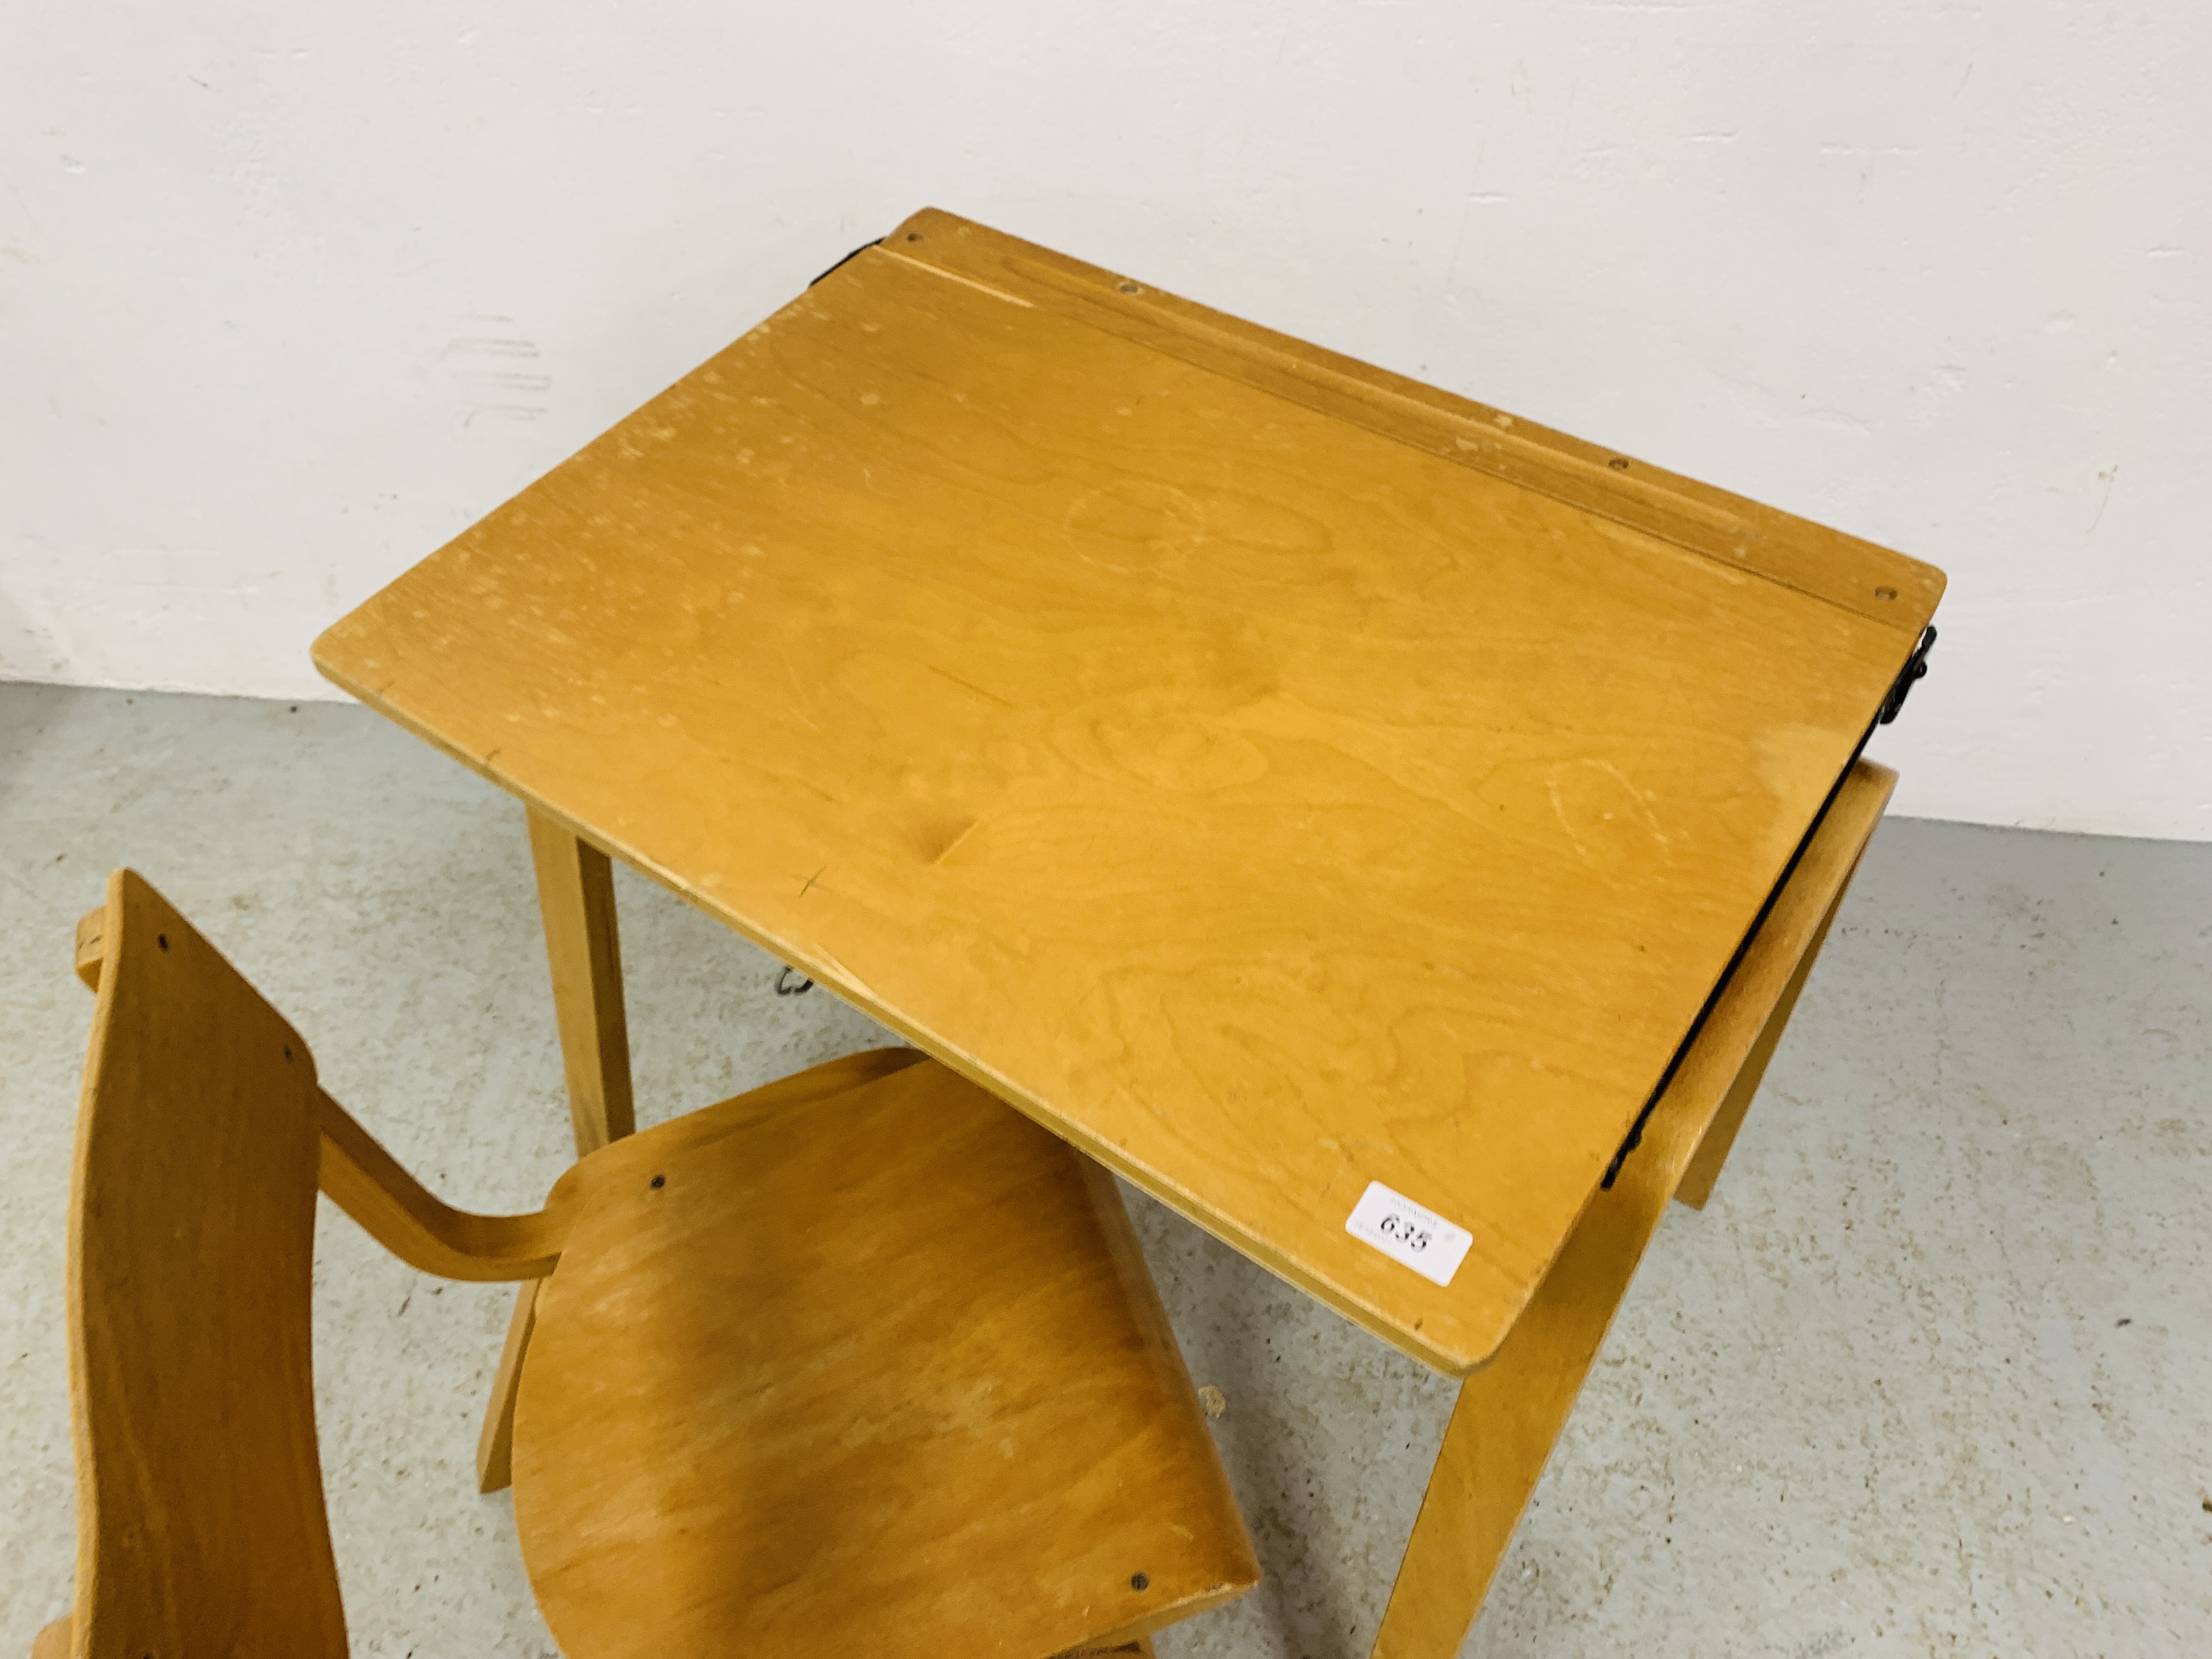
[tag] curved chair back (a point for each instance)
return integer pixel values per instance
(201, 1529)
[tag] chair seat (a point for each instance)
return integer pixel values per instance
(861, 1363)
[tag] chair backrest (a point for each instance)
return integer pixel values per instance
(201, 1529)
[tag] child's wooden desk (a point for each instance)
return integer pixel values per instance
(1307, 791)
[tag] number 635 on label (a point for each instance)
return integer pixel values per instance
(1409, 1233)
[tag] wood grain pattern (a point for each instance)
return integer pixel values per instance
(200, 1522)
(1510, 1414)
(1264, 796)
(876, 1370)
(495, 1441)
(576, 901)
(1873, 582)
(891, 1350)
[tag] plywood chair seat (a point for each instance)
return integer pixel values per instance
(861, 1362)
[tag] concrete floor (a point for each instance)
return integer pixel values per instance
(1932, 1375)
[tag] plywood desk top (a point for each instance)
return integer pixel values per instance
(1270, 773)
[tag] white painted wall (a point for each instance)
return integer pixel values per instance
(289, 294)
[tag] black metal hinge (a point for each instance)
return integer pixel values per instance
(847, 259)
(1915, 670)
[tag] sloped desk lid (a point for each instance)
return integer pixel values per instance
(1273, 775)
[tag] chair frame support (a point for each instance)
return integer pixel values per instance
(365, 1181)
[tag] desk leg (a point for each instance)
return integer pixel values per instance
(1704, 1167)
(1511, 1413)
(1458, 1540)
(576, 898)
(1495, 1447)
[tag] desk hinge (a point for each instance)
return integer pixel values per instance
(1916, 668)
(847, 259)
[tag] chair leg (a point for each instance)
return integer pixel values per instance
(495, 1445)
(583, 947)
(576, 898)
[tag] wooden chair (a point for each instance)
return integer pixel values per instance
(863, 1361)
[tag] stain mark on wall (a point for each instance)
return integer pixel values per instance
(497, 371)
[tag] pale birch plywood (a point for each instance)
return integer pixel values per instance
(1269, 774)
(1509, 1415)
(877, 1370)
(861, 1359)
(200, 1520)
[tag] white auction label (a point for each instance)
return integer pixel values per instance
(1431, 1246)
